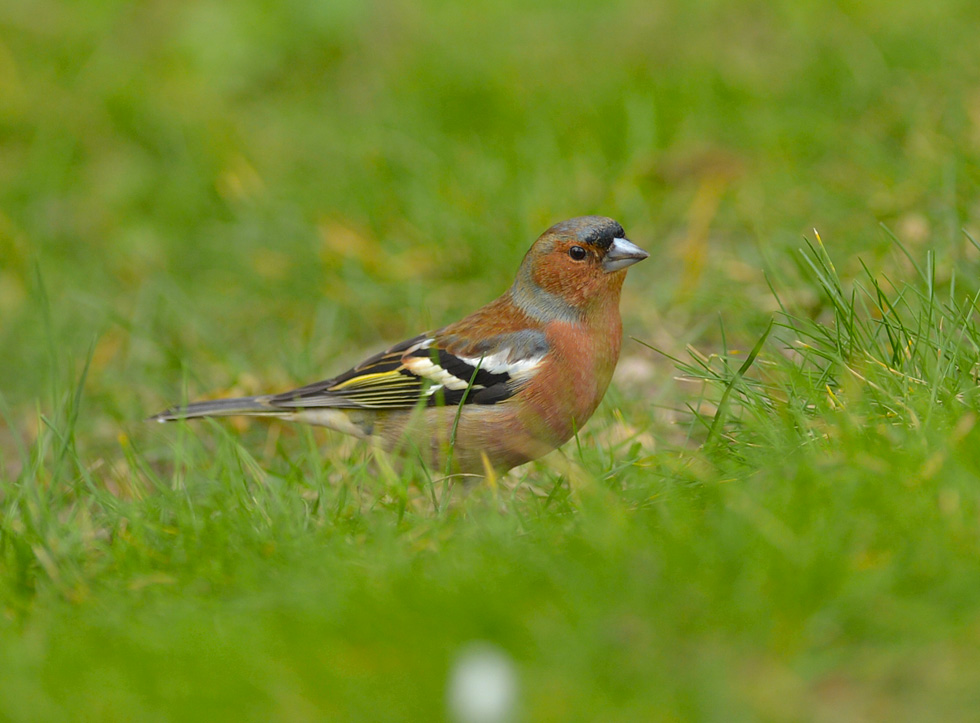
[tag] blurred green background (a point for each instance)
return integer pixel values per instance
(210, 197)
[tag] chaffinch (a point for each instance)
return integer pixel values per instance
(507, 384)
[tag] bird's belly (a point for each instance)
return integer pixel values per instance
(493, 432)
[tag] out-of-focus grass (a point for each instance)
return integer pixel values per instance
(203, 198)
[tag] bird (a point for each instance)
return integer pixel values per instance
(503, 386)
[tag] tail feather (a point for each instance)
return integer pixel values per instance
(247, 406)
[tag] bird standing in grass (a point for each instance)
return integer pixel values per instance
(507, 384)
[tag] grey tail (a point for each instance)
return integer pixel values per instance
(246, 406)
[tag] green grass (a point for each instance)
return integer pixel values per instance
(775, 514)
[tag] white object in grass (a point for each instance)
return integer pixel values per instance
(482, 685)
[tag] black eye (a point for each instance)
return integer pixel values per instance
(577, 253)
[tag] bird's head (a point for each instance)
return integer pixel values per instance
(575, 264)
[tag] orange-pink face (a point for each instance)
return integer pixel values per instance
(583, 260)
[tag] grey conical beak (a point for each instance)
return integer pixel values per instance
(622, 253)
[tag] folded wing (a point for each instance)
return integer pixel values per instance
(428, 370)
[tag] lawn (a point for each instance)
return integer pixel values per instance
(775, 513)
